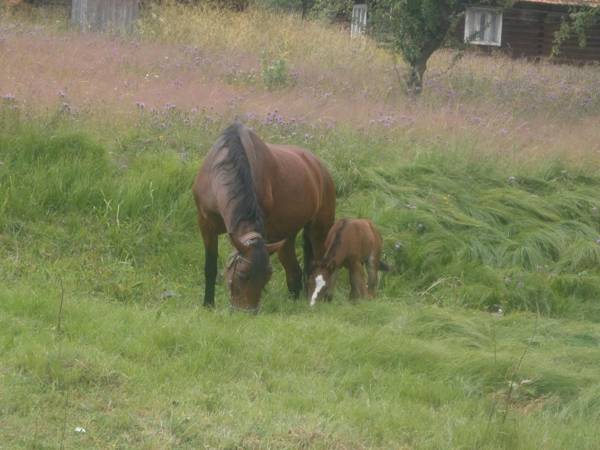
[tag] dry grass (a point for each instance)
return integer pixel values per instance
(211, 59)
(317, 52)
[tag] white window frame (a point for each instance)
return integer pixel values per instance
(359, 20)
(490, 19)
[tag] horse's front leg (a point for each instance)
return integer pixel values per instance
(293, 272)
(314, 236)
(211, 251)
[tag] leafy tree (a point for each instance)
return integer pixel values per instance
(333, 10)
(415, 29)
(580, 21)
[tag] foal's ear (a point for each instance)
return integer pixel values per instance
(275, 246)
(239, 246)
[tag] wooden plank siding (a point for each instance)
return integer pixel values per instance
(104, 15)
(528, 31)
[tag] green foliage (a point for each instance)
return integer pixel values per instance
(581, 20)
(457, 229)
(417, 28)
(333, 10)
(274, 71)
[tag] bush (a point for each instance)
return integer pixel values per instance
(275, 73)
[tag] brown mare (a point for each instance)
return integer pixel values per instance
(350, 243)
(262, 195)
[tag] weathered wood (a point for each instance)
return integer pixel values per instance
(104, 15)
(528, 30)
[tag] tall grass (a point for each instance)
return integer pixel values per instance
(484, 334)
(323, 57)
(458, 229)
(259, 32)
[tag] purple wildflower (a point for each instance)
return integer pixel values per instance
(274, 118)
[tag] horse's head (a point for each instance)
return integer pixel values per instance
(249, 270)
(319, 282)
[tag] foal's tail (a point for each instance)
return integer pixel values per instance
(383, 266)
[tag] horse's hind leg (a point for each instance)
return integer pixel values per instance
(293, 272)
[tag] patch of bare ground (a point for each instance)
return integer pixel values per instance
(530, 405)
(41, 69)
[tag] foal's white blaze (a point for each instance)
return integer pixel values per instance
(319, 284)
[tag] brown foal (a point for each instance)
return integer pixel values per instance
(350, 243)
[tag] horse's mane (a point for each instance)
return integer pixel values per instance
(238, 176)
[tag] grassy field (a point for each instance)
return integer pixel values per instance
(101, 327)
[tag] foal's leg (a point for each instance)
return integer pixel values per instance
(211, 250)
(293, 272)
(372, 266)
(358, 287)
(314, 244)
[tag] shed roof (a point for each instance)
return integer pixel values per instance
(593, 3)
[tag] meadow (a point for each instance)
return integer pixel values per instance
(485, 334)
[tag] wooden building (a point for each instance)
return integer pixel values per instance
(527, 29)
(104, 15)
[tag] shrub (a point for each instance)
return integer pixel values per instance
(275, 73)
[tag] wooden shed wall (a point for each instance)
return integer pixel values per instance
(528, 31)
(104, 15)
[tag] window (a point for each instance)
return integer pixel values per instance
(483, 26)
(359, 20)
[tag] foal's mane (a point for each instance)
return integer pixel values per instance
(238, 176)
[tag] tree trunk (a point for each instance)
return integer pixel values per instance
(418, 64)
(414, 77)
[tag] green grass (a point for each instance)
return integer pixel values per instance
(105, 223)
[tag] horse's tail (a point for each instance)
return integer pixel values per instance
(383, 266)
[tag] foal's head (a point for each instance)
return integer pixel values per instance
(319, 282)
(249, 270)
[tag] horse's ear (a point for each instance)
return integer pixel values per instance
(240, 247)
(275, 246)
